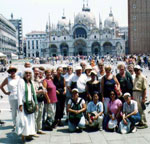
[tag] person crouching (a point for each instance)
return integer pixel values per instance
(76, 107)
(95, 112)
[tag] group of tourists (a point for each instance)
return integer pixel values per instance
(90, 97)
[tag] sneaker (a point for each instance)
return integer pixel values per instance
(143, 126)
(134, 130)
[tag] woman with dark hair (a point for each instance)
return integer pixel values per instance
(28, 104)
(114, 109)
(60, 84)
(12, 81)
(92, 85)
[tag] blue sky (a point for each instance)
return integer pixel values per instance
(34, 13)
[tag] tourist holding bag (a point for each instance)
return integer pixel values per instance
(27, 102)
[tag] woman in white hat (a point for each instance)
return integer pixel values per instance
(27, 102)
(11, 81)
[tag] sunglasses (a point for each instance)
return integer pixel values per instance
(12, 71)
(27, 72)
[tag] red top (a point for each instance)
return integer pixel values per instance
(51, 89)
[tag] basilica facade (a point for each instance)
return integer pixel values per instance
(84, 37)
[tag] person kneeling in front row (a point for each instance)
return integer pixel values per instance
(76, 107)
(131, 115)
(95, 112)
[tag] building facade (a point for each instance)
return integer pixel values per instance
(8, 41)
(33, 44)
(84, 37)
(18, 25)
(139, 26)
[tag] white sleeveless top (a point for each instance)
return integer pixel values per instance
(12, 87)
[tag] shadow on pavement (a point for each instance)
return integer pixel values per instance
(11, 138)
(63, 130)
(5, 127)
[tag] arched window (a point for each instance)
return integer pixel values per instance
(80, 32)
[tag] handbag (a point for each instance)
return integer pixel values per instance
(30, 107)
(40, 97)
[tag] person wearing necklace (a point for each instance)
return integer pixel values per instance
(11, 81)
(27, 102)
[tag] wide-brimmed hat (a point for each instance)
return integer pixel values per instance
(93, 72)
(11, 68)
(112, 124)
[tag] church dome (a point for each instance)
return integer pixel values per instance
(63, 22)
(85, 17)
(110, 22)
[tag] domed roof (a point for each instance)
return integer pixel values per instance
(85, 17)
(63, 22)
(110, 22)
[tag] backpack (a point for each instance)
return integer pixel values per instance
(75, 118)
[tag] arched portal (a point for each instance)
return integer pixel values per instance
(79, 33)
(107, 48)
(64, 48)
(95, 48)
(53, 50)
(80, 47)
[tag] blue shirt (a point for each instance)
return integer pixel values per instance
(95, 107)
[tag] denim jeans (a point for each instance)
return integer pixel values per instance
(72, 127)
(135, 118)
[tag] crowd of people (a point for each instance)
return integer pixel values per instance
(91, 95)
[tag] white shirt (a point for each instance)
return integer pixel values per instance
(21, 92)
(68, 77)
(80, 81)
(12, 87)
(130, 108)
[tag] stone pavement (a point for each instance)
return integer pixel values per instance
(61, 134)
